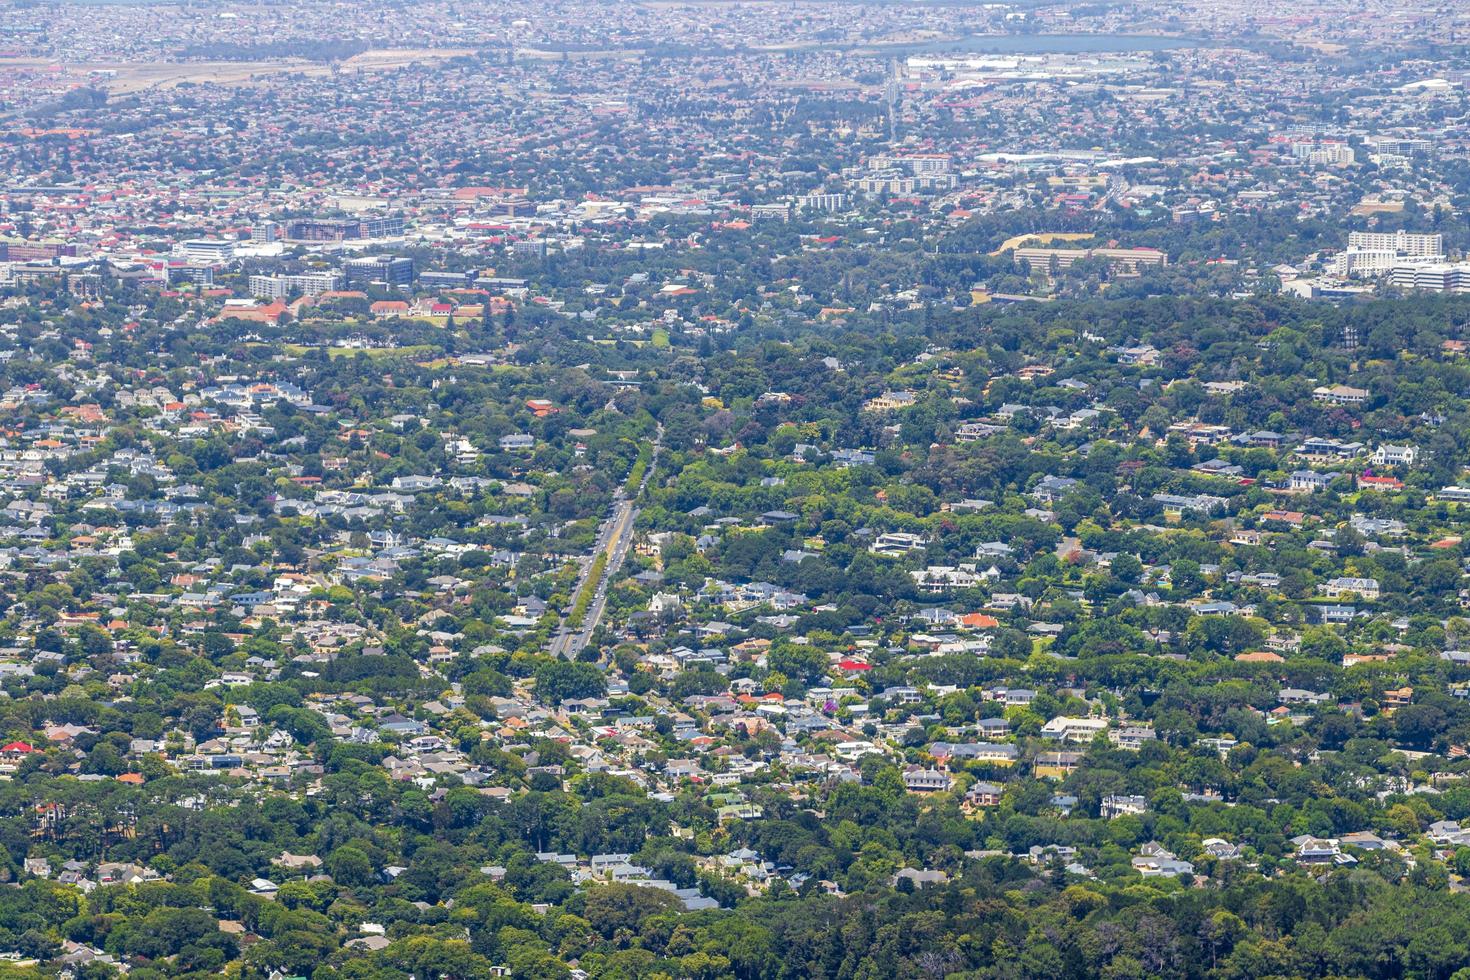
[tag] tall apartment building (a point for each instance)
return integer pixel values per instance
(822, 202)
(879, 183)
(917, 164)
(529, 248)
(1375, 253)
(303, 284)
(1324, 154)
(1403, 242)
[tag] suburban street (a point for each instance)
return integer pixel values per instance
(614, 539)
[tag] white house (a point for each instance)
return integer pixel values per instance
(1364, 588)
(1387, 455)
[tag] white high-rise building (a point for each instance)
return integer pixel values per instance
(207, 251)
(304, 284)
(1376, 253)
(1324, 154)
(1404, 243)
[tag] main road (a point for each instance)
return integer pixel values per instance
(614, 539)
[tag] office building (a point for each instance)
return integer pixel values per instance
(444, 280)
(389, 270)
(385, 226)
(343, 229)
(1433, 277)
(198, 274)
(207, 251)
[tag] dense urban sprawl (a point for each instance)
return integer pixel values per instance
(734, 490)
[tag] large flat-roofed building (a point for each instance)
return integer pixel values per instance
(323, 229)
(20, 272)
(343, 229)
(1376, 253)
(1119, 259)
(822, 202)
(35, 251)
(385, 226)
(1362, 263)
(213, 251)
(1403, 242)
(304, 284)
(390, 270)
(1401, 145)
(1434, 277)
(1324, 153)
(897, 183)
(915, 163)
(199, 274)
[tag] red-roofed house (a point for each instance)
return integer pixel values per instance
(1388, 484)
